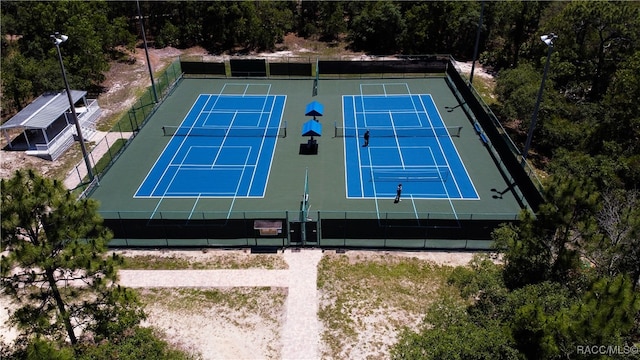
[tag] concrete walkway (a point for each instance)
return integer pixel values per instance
(75, 176)
(300, 333)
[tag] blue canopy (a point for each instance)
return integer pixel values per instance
(312, 128)
(314, 108)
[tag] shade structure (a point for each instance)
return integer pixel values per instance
(312, 128)
(314, 109)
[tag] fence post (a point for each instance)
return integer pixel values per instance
(344, 234)
(79, 176)
(93, 161)
(106, 140)
(319, 227)
(286, 214)
(134, 121)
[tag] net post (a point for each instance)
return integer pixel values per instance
(285, 129)
(335, 129)
(305, 206)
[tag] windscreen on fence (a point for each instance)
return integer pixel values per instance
(205, 68)
(248, 67)
(403, 66)
(289, 69)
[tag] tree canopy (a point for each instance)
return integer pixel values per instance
(56, 267)
(569, 277)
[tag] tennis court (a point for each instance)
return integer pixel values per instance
(223, 148)
(409, 144)
(219, 163)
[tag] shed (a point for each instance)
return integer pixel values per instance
(45, 128)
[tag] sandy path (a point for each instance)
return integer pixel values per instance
(203, 278)
(301, 335)
(288, 328)
(300, 332)
(75, 176)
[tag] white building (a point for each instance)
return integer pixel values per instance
(47, 124)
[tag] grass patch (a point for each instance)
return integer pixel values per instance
(485, 88)
(355, 290)
(251, 299)
(68, 160)
(217, 261)
(105, 160)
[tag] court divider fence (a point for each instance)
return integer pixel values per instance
(106, 151)
(283, 229)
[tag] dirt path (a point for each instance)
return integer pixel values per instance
(104, 140)
(300, 331)
(281, 329)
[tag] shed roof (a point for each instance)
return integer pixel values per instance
(43, 111)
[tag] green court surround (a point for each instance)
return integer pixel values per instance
(333, 220)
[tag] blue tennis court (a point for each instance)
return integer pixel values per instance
(223, 148)
(409, 144)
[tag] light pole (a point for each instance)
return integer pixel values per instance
(475, 49)
(57, 40)
(547, 39)
(146, 51)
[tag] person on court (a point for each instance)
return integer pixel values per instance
(366, 139)
(398, 193)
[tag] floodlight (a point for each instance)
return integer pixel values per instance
(548, 39)
(57, 40)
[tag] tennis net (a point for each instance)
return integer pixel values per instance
(222, 131)
(374, 132)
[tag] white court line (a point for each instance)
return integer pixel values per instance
(166, 190)
(344, 146)
(457, 153)
(275, 143)
(264, 105)
(355, 124)
(396, 138)
(231, 111)
(164, 149)
(224, 139)
(406, 147)
(246, 159)
(171, 161)
(444, 155)
(373, 183)
(194, 206)
(416, 110)
(446, 191)
(364, 112)
(264, 138)
(180, 147)
(415, 210)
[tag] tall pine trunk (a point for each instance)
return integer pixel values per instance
(61, 306)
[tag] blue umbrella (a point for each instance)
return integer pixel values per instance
(314, 109)
(312, 128)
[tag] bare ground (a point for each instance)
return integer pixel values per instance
(250, 321)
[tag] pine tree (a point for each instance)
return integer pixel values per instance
(55, 264)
